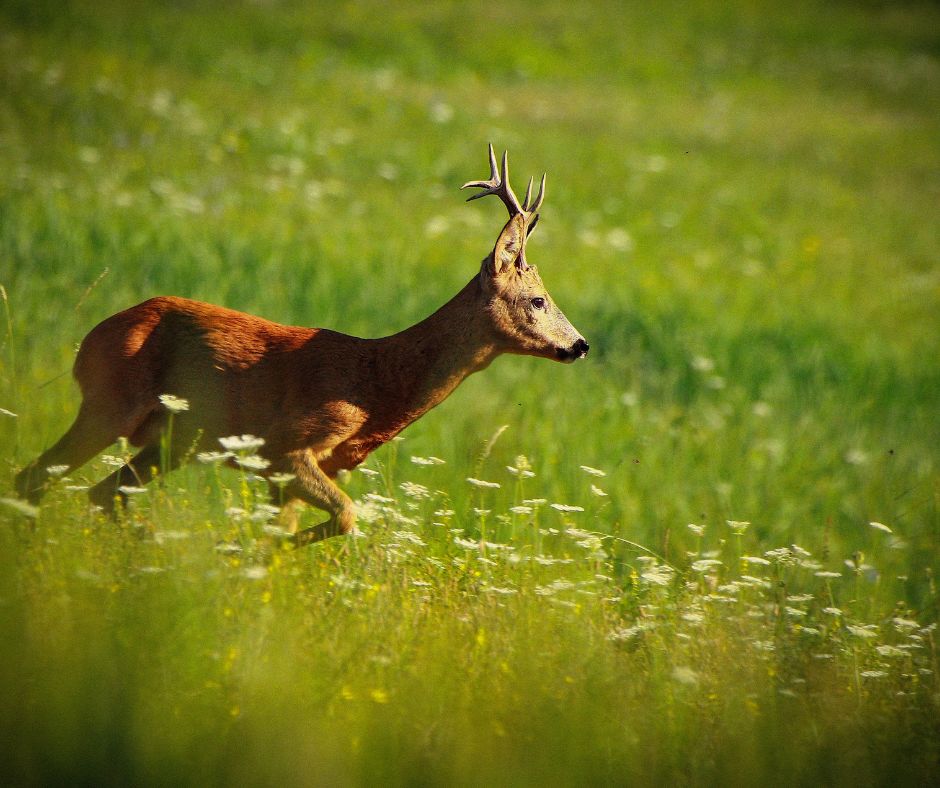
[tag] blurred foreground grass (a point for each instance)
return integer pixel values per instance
(741, 218)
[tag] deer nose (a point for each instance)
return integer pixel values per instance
(580, 348)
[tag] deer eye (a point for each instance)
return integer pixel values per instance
(538, 302)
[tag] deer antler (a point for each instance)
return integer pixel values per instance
(498, 184)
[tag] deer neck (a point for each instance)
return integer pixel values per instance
(419, 367)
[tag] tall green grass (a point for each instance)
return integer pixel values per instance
(741, 220)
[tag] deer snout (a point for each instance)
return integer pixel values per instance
(578, 350)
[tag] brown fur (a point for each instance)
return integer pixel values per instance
(321, 400)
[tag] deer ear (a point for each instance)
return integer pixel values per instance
(508, 246)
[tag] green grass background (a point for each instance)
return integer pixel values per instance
(742, 220)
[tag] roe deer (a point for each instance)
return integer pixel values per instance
(321, 400)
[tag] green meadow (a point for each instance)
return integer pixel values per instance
(706, 554)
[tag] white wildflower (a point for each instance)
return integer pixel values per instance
(427, 460)
(499, 590)
(880, 527)
(412, 490)
(255, 572)
(891, 651)
(563, 507)
(484, 484)
(904, 624)
(753, 559)
(241, 442)
(832, 611)
(110, 459)
(698, 530)
(578, 533)
(866, 631)
(367, 471)
(408, 536)
(535, 501)
(466, 544)
(798, 598)
(794, 612)
(10, 413)
(704, 564)
(521, 509)
(128, 489)
(173, 404)
(544, 560)
(264, 512)
(253, 462)
(57, 470)
(828, 575)
(757, 582)
(873, 674)
(628, 633)
(281, 479)
(782, 555)
(209, 457)
(521, 473)
(658, 575)
(593, 471)
(595, 490)
(738, 526)
(497, 546)
(228, 548)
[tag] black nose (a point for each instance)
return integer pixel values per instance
(580, 348)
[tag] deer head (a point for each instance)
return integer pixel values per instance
(522, 313)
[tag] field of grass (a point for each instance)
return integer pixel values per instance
(723, 569)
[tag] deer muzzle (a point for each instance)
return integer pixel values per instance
(578, 350)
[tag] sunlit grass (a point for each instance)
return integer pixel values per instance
(705, 554)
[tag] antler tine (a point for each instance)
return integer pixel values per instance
(528, 196)
(489, 185)
(538, 200)
(497, 184)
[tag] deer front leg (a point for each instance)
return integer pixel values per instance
(313, 486)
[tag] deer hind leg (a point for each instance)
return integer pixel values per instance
(314, 487)
(92, 432)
